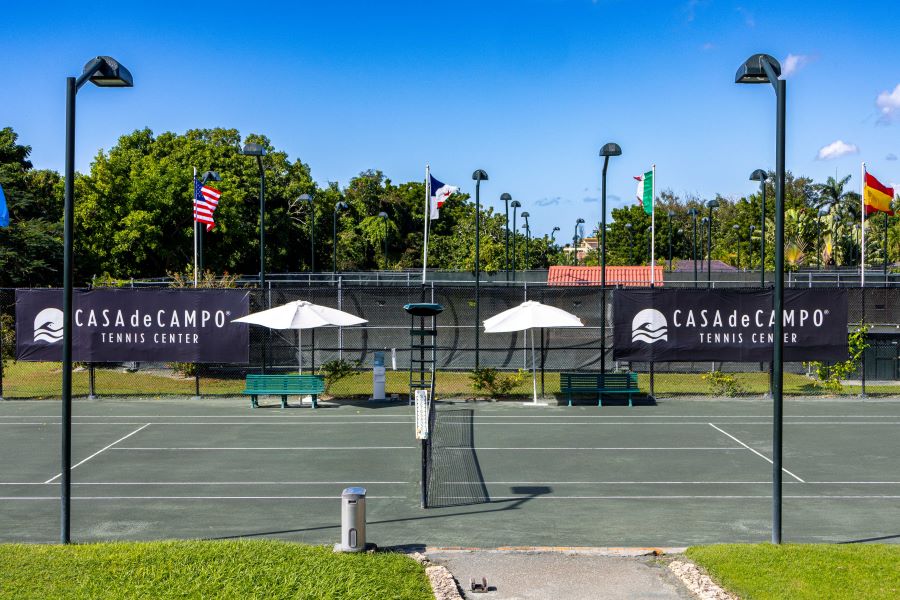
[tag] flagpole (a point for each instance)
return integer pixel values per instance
(653, 229)
(193, 200)
(862, 225)
(427, 219)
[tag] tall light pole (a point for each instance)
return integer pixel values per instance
(259, 151)
(515, 204)
(478, 176)
(761, 176)
(608, 149)
(575, 239)
(737, 235)
(102, 71)
(339, 206)
(506, 198)
(671, 214)
(527, 229)
(750, 246)
(384, 219)
(201, 231)
(553, 235)
(762, 68)
(693, 213)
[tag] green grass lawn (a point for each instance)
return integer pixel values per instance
(798, 571)
(234, 569)
(42, 380)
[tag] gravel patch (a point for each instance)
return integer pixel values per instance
(698, 582)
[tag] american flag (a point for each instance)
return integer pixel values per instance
(206, 199)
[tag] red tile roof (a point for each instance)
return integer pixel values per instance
(625, 276)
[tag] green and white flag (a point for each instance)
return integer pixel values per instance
(645, 191)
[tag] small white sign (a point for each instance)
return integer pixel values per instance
(423, 405)
(394, 359)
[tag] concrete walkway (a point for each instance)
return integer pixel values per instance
(562, 575)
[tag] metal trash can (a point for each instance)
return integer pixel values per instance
(353, 520)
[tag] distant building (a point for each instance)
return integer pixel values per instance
(585, 245)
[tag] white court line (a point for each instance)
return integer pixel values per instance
(605, 482)
(584, 448)
(147, 448)
(762, 456)
(480, 415)
(194, 497)
(356, 482)
(99, 451)
(644, 497)
(477, 424)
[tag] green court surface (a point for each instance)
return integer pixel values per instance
(687, 471)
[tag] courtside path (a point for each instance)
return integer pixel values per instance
(680, 473)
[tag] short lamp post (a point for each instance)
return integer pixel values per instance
(312, 230)
(259, 151)
(506, 198)
(750, 246)
(527, 229)
(762, 68)
(338, 207)
(737, 235)
(580, 221)
(630, 243)
(760, 175)
(515, 205)
(102, 71)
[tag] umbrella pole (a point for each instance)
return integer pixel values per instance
(533, 370)
(300, 351)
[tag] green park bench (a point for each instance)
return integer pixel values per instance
(284, 385)
(599, 384)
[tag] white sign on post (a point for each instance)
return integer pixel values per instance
(422, 409)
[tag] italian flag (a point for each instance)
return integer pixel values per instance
(645, 191)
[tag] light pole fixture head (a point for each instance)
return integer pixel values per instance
(304, 198)
(735, 227)
(752, 228)
(109, 73)
(713, 203)
(704, 220)
(340, 206)
(252, 149)
(556, 229)
(480, 175)
(680, 231)
(671, 213)
(627, 225)
(525, 214)
(505, 197)
(210, 176)
(611, 149)
(383, 215)
(580, 220)
(759, 175)
(515, 204)
(692, 211)
(754, 69)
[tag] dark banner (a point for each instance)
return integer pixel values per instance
(123, 325)
(727, 325)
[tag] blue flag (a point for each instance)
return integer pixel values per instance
(4, 212)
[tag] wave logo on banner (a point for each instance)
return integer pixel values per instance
(48, 326)
(649, 326)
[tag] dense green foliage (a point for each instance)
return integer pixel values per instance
(799, 571)
(133, 218)
(242, 569)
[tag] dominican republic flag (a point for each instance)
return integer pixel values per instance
(4, 212)
(206, 199)
(439, 194)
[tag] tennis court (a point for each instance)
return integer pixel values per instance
(682, 472)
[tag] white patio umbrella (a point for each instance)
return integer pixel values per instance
(300, 315)
(528, 316)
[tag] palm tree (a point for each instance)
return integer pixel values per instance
(832, 194)
(843, 206)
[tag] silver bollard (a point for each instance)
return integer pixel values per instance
(353, 520)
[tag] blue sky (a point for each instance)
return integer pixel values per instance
(526, 90)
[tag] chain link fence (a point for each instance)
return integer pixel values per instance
(460, 345)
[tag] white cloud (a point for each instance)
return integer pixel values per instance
(749, 21)
(708, 46)
(792, 64)
(890, 156)
(836, 149)
(888, 104)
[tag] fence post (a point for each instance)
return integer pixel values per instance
(340, 300)
(862, 367)
(90, 381)
(1, 352)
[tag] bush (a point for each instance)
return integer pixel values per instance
(335, 370)
(722, 384)
(829, 376)
(495, 383)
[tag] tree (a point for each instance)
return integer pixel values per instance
(31, 247)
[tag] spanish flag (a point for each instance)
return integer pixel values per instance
(877, 196)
